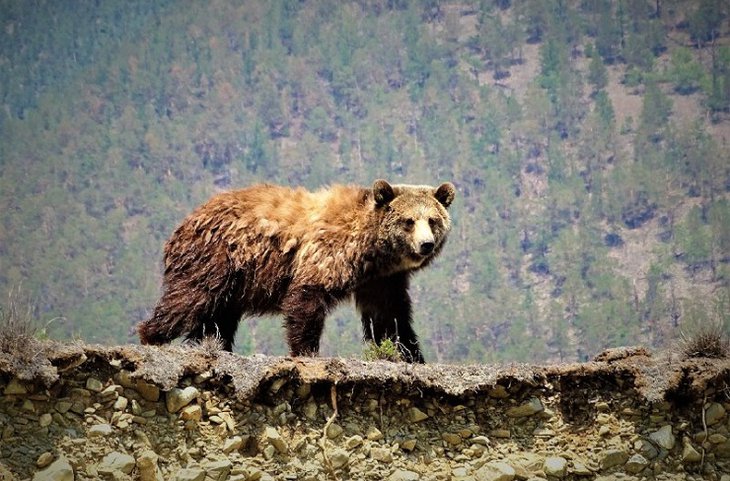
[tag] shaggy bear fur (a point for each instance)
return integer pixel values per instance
(271, 249)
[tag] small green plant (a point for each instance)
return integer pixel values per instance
(387, 350)
(709, 340)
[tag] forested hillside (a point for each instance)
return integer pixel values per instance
(589, 142)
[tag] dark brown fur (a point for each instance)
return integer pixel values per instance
(270, 249)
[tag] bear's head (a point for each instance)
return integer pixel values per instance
(414, 222)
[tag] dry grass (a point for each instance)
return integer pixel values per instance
(17, 325)
(709, 340)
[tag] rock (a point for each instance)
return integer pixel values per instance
(500, 433)
(310, 410)
(14, 387)
(408, 445)
(59, 470)
(714, 413)
(147, 466)
(353, 442)
(272, 437)
(646, 449)
(121, 403)
(334, 431)
(45, 420)
(191, 413)
(218, 470)
(339, 458)
(148, 391)
(44, 460)
(228, 420)
(232, 444)
(451, 438)
(189, 474)
(415, 415)
(613, 457)
(94, 385)
(555, 466)
(663, 437)
(533, 406)
(381, 454)
(374, 434)
(689, 453)
(177, 399)
(499, 392)
(580, 468)
(403, 475)
(636, 464)
(495, 471)
(63, 406)
(100, 430)
(116, 461)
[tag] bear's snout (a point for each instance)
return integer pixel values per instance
(426, 248)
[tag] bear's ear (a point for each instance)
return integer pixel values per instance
(382, 192)
(445, 193)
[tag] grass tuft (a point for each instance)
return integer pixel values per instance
(709, 340)
(387, 350)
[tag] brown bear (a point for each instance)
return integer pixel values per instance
(270, 249)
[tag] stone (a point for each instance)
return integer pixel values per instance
(148, 391)
(613, 457)
(14, 387)
(63, 406)
(663, 437)
(353, 442)
(189, 474)
(415, 415)
(147, 466)
(451, 438)
(533, 406)
(381, 454)
(403, 475)
(408, 445)
(500, 433)
(218, 470)
(689, 453)
(99, 430)
(310, 410)
(646, 449)
(499, 392)
(44, 460)
(272, 437)
(59, 470)
(374, 434)
(121, 403)
(116, 461)
(334, 431)
(636, 464)
(232, 444)
(177, 398)
(581, 468)
(555, 466)
(228, 420)
(339, 458)
(495, 471)
(94, 385)
(191, 412)
(45, 420)
(714, 413)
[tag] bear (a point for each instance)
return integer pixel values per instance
(269, 249)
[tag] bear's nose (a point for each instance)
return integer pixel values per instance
(426, 248)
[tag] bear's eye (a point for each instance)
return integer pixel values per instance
(432, 222)
(409, 223)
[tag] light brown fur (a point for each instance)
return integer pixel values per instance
(272, 249)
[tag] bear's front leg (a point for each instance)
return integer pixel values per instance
(386, 314)
(304, 311)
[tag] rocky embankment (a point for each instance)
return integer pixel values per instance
(74, 412)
